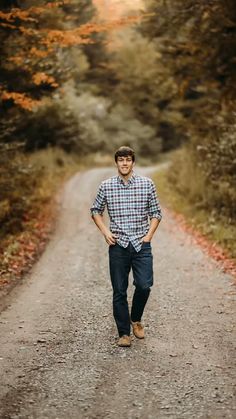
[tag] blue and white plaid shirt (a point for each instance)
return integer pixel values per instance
(129, 205)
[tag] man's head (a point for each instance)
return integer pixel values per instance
(124, 151)
(125, 160)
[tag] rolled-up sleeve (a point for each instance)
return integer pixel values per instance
(99, 202)
(154, 208)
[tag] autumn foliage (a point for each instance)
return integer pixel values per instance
(35, 41)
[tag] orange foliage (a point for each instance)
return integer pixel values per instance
(25, 15)
(38, 53)
(63, 38)
(18, 60)
(48, 40)
(27, 31)
(20, 99)
(81, 35)
(8, 25)
(17, 14)
(66, 38)
(42, 78)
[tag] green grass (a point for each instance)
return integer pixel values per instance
(214, 226)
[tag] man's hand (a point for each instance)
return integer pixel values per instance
(146, 238)
(152, 228)
(110, 238)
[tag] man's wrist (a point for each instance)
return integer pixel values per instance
(105, 231)
(148, 237)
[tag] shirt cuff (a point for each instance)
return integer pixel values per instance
(95, 212)
(155, 215)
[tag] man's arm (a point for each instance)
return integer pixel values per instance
(154, 212)
(109, 237)
(97, 215)
(152, 228)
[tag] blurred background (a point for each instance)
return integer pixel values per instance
(79, 78)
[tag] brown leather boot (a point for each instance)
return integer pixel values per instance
(124, 340)
(138, 329)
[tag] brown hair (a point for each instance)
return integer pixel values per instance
(124, 151)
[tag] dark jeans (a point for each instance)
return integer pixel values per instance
(121, 260)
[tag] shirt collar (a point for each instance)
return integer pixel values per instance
(131, 179)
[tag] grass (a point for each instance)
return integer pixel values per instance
(213, 226)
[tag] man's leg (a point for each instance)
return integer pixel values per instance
(119, 262)
(142, 266)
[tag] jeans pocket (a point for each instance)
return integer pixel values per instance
(148, 244)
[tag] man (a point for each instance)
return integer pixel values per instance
(130, 200)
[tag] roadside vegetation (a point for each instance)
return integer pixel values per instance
(215, 227)
(29, 190)
(198, 47)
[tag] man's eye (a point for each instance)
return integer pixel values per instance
(123, 160)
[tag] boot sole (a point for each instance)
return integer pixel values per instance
(139, 337)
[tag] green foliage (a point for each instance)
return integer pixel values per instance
(213, 224)
(104, 126)
(204, 170)
(85, 124)
(147, 85)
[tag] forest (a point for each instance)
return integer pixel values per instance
(75, 85)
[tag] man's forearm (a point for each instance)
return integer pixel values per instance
(152, 228)
(109, 236)
(98, 219)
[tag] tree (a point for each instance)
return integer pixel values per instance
(198, 45)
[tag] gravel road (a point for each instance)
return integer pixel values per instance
(59, 357)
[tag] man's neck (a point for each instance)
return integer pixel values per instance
(127, 177)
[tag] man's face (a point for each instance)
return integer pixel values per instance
(125, 165)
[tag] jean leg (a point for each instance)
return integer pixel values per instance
(142, 266)
(119, 263)
(139, 301)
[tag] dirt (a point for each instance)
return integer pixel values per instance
(59, 357)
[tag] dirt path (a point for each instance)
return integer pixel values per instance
(58, 354)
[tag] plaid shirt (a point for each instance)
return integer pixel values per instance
(129, 205)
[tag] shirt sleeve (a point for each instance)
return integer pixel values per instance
(154, 208)
(99, 202)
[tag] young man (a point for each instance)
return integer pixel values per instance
(130, 200)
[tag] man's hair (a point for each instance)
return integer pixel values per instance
(124, 151)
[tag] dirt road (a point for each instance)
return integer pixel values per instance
(59, 357)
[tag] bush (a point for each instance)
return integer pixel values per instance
(18, 179)
(205, 169)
